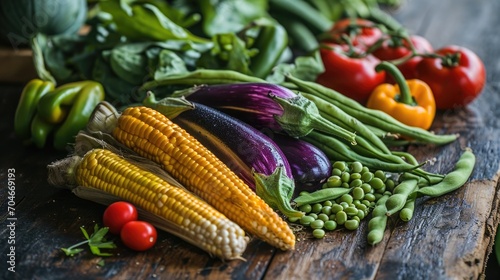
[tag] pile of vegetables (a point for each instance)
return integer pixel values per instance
(302, 104)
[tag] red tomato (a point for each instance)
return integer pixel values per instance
(138, 235)
(118, 214)
(362, 32)
(455, 81)
(392, 49)
(353, 77)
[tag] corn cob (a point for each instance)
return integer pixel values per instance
(180, 212)
(154, 136)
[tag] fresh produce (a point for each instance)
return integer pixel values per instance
(373, 118)
(345, 199)
(21, 20)
(404, 53)
(378, 222)
(117, 215)
(455, 74)
(92, 172)
(453, 180)
(266, 107)
(399, 196)
(96, 241)
(409, 101)
(358, 32)
(59, 112)
(310, 166)
(249, 153)
(349, 73)
(138, 235)
(27, 106)
(153, 136)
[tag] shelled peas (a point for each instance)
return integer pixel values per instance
(352, 191)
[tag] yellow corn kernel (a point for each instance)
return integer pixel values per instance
(154, 136)
(186, 215)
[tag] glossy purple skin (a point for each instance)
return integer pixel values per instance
(310, 166)
(236, 143)
(249, 102)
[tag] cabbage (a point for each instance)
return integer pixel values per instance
(21, 20)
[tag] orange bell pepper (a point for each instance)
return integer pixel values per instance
(409, 101)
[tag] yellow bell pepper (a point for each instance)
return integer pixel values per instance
(409, 101)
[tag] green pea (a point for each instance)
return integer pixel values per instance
(293, 219)
(316, 207)
(362, 207)
(365, 169)
(346, 177)
(366, 202)
(344, 205)
(366, 187)
(380, 191)
(318, 233)
(351, 224)
(356, 167)
(317, 224)
(330, 225)
(367, 177)
(340, 165)
(306, 208)
(327, 203)
(358, 194)
(351, 211)
(381, 175)
(336, 208)
(334, 181)
(341, 217)
(356, 183)
(314, 215)
(361, 214)
(355, 176)
(356, 218)
(337, 172)
(377, 183)
(324, 217)
(345, 185)
(306, 220)
(370, 197)
(390, 184)
(347, 198)
(326, 210)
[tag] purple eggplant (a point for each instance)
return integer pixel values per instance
(310, 166)
(266, 106)
(252, 155)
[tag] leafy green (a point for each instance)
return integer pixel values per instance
(96, 242)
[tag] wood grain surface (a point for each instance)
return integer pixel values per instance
(450, 237)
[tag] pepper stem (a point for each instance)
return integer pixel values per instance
(404, 90)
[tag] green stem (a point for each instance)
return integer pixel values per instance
(404, 90)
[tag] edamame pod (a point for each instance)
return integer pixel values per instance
(455, 179)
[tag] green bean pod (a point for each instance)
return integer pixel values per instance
(400, 195)
(378, 222)
(320, 195)
(372, 117)
(455, 179)
(407, 212)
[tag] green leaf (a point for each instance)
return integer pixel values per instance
(71, 251)
(85, 233)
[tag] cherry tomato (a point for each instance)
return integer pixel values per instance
(118, 214)
(394, 48)
(362, 32)
(138, 235)
(354, 77)
(456, 78)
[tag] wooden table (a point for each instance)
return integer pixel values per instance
(449, 238)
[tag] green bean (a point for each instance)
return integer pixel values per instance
(306, 220)
(319, 233)
(324, 217)
(369, 116)
(378, 222)
(306, 208)
(316, 207)
(407, 212)
(321, 195)
(335, 114)
(330, 225)
(341, 217)
(201, 76)
(400, 195)
(334, 148)
(455, 179)
(317, 224)
(351, 224)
